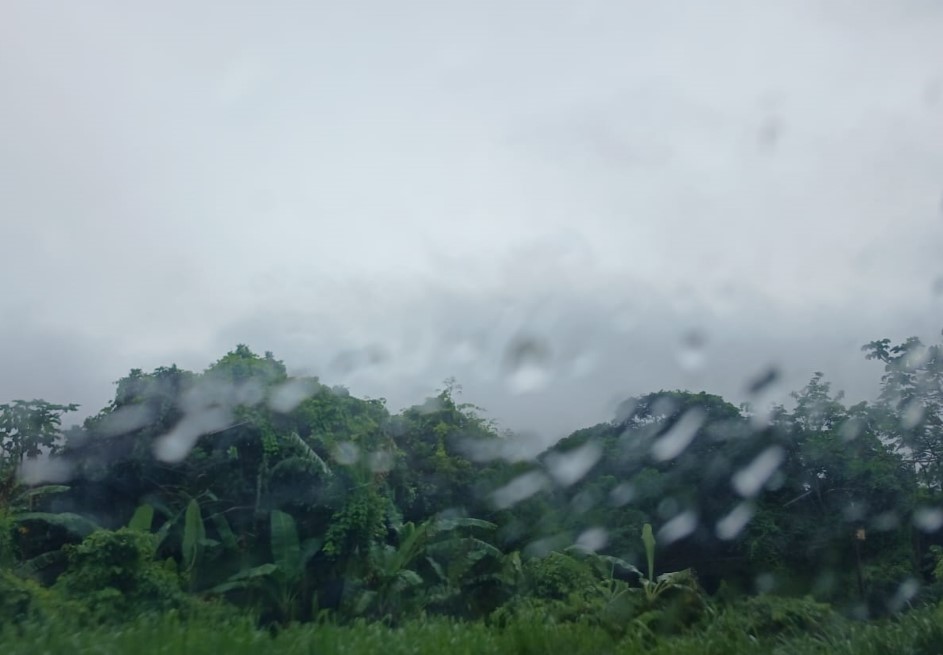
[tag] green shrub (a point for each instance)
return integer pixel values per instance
(24, 601)
(114, 574)
(767, 615)
(556, 576)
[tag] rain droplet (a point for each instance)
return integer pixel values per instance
(912, 415)
(750, 480)
(677, 528)
(583, 365)
(733, 524)
(679, 436)
(248, 393)
(763, 380)
(345, 362)
(43, 470)
(928, 519)
(381, 461)
(851, 429)
(465, 352)
(377, 354)
(526, 365)
(566, 468)
(346, 453)
(625, 318)
(765, 583)
(124, 420)
(520, 488)
(621, 494)
(285, 397)
(885, 521)
(691, 354)
(176, 445)
(583, 502)
(431, 406)
(938, 283)
(854, 511)
(592, 540)
(905, 593)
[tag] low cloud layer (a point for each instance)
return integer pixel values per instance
(558, 207)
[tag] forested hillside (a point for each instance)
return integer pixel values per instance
(244, 491)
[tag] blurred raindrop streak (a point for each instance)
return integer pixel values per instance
(679, 436)
(526, 365)
(691, 356)
(347, 453)
(730, 526)
(929, 519)
(749, 481)
(286, 397)
(520, 488)
(567, 468)
(592, 540)
(677, 528)
(763, 381)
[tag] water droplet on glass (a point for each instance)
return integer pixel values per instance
(679, 436)
(668, 507)
(763, 381)
(765, 583)
(625, 318)
(381, 461)
(346, 453)
(176, 445)
(124, 420)
(592, 540)
(733, 524)
(851, 429)
(526, 362)
(43, 470)
(751, 479)
(885, 521)
(912, 414)
(928, 519)
(691, 354)
(431, 406)
(938, 285)
(621, 494)
(566, 468)
(583, 364)
(248, 393)
(520, 488)
(677, 528)
(345, 362)
(905, 593)
(285, 397)
(854, 511)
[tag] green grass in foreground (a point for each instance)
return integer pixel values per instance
(917, 633)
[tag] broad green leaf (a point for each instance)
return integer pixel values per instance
(40, 562)
(286, 551)
(410, 577)
(142, 519)
(194, 532)
(73, 523)
(649, 540)
(45, 489)
(261, 571)
(309, 549)
(226, 535)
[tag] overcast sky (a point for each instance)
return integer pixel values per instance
(650, 194)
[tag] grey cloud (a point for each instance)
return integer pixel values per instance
(389, 197)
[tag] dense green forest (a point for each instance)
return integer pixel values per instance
(278, 505)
